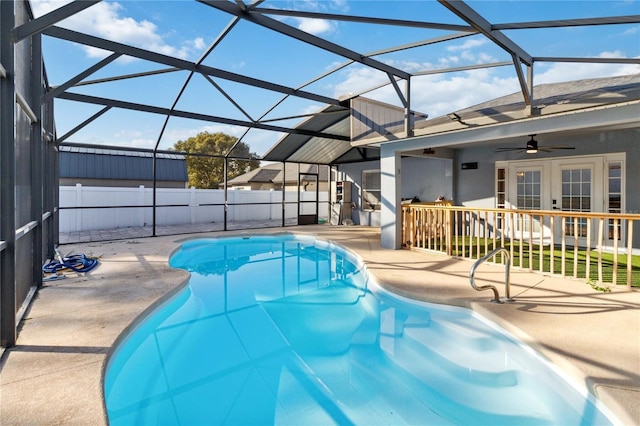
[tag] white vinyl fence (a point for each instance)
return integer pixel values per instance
(85, 208)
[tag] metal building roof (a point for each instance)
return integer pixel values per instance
(100, 163)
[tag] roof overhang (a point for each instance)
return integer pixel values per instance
(563, 110)
(589, 120)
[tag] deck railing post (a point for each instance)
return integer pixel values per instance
(458, 231)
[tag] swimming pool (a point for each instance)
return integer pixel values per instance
(289, 329)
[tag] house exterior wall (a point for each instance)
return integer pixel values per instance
(475, 188)
(423, 177)
(427, 178)
(353, 173)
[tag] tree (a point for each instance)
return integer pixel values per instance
(206, 167)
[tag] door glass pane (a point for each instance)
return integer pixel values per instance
(528, 189)
(576, 197)
(528, 195)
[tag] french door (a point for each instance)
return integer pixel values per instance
(577, 187)
(566, 184)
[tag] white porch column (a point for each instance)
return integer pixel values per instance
(390, 185)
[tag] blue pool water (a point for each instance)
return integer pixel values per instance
(290, 330)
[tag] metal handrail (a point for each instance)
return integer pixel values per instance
(507, 283)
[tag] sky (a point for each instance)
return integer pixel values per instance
(185, 29)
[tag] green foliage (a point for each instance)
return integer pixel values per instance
(206, 166)
(596, 287)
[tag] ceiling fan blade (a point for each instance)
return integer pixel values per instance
(509, 149)
(559, 147)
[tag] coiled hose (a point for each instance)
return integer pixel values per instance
(75, 262)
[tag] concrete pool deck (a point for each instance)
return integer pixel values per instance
(54, 374)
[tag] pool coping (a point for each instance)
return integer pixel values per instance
(54, 374)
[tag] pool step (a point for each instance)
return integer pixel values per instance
(486, 369)
(467, 351)
(479, 394)
(373, 388)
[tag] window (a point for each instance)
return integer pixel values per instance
(370, 190)
(614, 201)
(501, 188)
(501, 193)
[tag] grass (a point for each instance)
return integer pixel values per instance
(569, 262)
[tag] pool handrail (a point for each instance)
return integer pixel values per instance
(507, 283)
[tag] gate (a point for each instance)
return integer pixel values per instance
(308, 198)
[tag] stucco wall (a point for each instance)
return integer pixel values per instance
(475, 188)
(425, 178)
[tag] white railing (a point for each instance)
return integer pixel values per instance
(86, 208)
(595, 246)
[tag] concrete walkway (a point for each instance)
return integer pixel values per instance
(54, 374)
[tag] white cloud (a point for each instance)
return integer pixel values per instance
(314, 26)
(107, 20)
(126, 133)
(141, 143)
(238, 65)
(557, 72)
(359, 79)
(439, 95)
(435, 95)
(311, 109)
(467, 45)
(324, 5)
(199, 44)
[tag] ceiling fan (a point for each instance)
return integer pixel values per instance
(532, 147)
